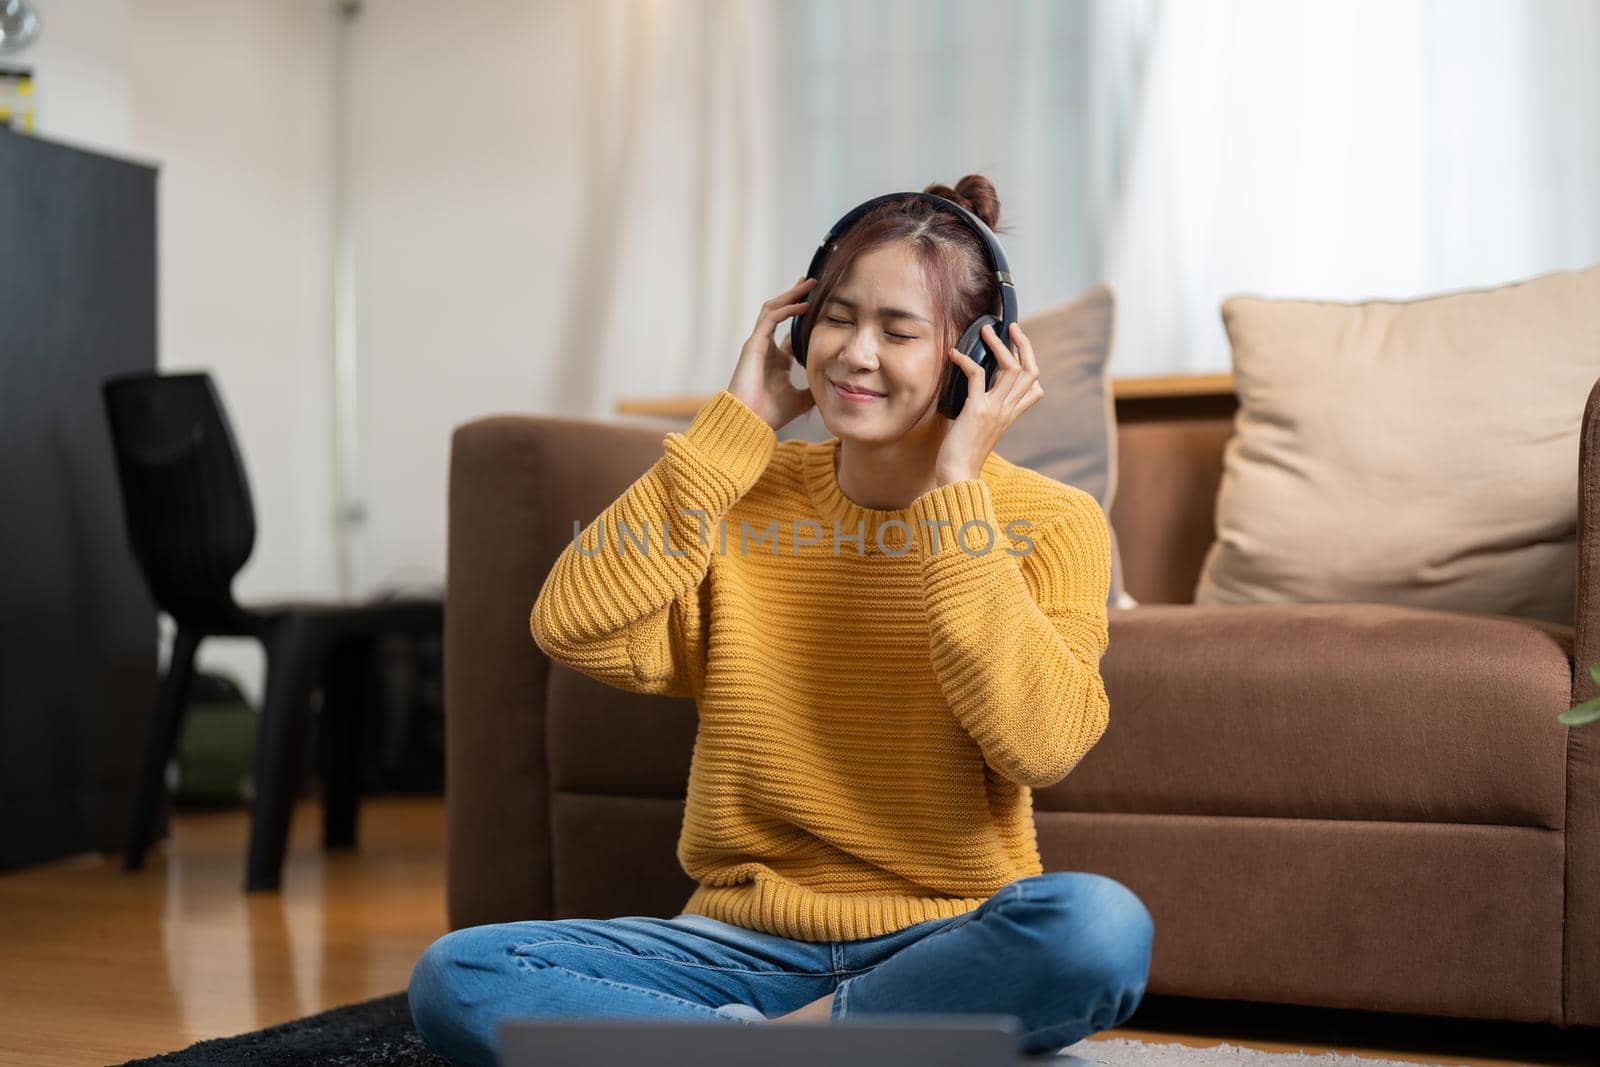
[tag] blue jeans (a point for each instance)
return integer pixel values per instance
(1067, 953)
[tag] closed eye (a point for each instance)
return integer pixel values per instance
(845, 322)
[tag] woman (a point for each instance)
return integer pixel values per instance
(891, 637)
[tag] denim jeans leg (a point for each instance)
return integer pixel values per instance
(1066, 952)
(470, 981)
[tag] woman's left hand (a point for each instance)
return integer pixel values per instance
(986, 415)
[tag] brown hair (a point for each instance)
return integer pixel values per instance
(953, 260)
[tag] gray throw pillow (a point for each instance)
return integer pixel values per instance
(1071, 433)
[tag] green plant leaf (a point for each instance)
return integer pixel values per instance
(1594, 672)
(1583, 714)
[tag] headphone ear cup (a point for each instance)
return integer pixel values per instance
(974, 347)
(797, 339)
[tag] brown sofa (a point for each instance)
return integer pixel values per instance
(1340, 805)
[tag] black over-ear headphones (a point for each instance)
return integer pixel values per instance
(972, 342)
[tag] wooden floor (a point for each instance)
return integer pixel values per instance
(102, 966)
(98, 966)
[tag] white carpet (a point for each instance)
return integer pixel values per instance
(1121, 1052)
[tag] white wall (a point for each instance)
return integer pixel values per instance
(461, 213)
(230, 99)
(461, 217)
(80, 63)
(233, 97)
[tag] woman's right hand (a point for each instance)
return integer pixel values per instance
(761, 378)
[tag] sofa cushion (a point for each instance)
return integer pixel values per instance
(1313, 711)
(1420, 452)
(1329, 711)
(603, 740)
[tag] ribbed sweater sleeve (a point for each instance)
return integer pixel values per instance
(1016, 640)
(632, 617)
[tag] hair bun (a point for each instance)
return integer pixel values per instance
(975, 193)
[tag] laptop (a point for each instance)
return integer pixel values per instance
(881, 1040)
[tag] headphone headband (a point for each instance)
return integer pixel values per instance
(995, 255)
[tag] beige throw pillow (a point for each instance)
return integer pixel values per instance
(1420, 452)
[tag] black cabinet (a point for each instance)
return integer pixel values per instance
(78, 630)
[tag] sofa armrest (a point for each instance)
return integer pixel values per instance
(517, 482)
(1586, 615)
(1581, 941)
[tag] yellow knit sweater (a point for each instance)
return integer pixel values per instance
(873, 706)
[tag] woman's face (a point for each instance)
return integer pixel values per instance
(878, 333)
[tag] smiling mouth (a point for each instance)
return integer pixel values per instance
(854, 392)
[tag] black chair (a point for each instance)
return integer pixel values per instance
(191, 526)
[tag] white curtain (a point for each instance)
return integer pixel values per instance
(1183, 152)
(1350, 150)
(678, 162)
(720, 139)
(897, 94)
(561, 204)
(1180, 151)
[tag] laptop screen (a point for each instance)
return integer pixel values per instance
(875, 1041)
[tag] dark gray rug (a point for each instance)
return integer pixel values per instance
(373, 1033)
(378, 1033)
